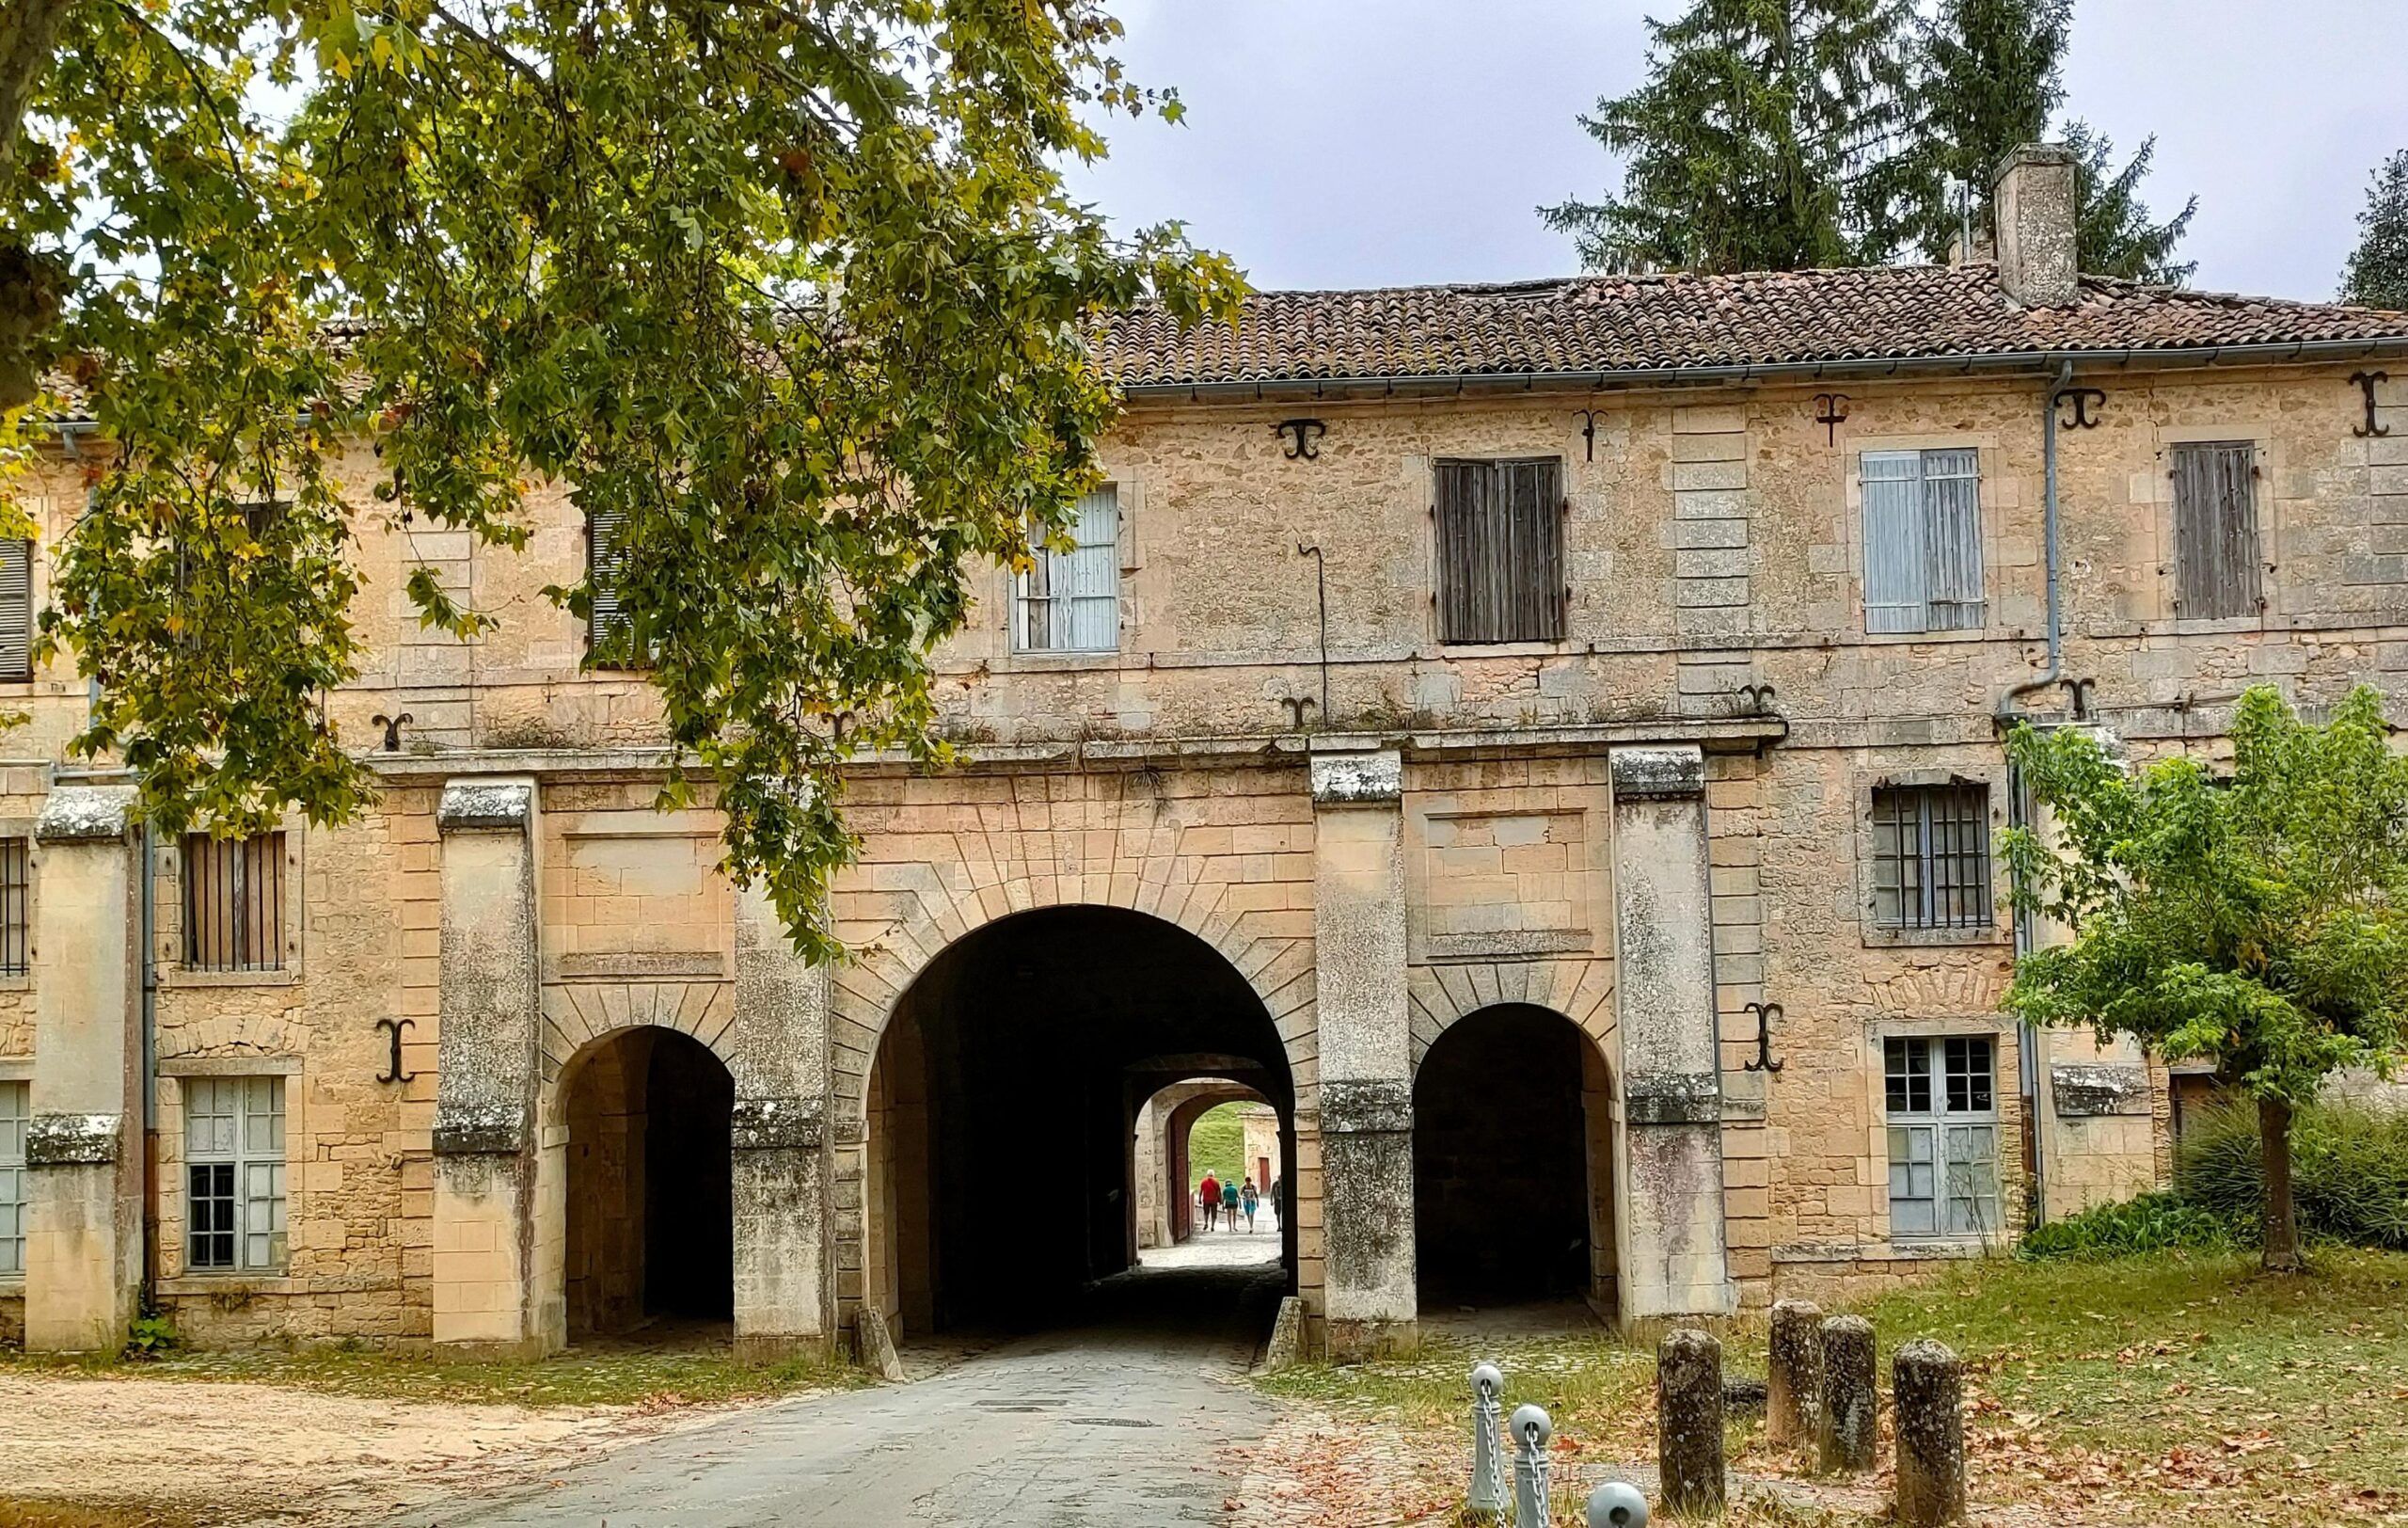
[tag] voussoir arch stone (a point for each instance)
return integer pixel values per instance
(1580, 988)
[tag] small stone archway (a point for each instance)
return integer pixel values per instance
(1515, 1162)
(641, 1145)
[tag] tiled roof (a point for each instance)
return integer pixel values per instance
(1603, 323)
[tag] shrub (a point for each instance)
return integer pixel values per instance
(2349, 1170)
(2157, 1222)
(150, 1335)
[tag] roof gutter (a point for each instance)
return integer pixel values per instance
(1963, 363)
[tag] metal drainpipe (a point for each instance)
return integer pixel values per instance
(2028, 1035)
(150, 872)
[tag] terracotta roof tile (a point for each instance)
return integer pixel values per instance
(1587, 324)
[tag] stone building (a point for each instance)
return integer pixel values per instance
(1541, 741)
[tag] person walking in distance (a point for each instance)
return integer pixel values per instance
(1275, 1198)
(1248, 1198)
(1230, 1203)
(1208, 1198)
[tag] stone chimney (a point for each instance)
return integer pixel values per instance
(2032, 202)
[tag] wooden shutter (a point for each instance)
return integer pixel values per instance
(1952, 535)
(1896, 567)
(16, 610)
(2215, 529)
(607, 618)
(1501, 550)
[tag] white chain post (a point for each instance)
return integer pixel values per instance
(1617, 1505)
(1531, 1429)
(1487, 1492)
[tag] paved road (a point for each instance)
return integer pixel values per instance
(1123, 1420)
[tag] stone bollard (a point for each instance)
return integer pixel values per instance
(1617, 1505)
(1487, 1493)
(1927, 1386)
(1531, 1429)
(1793, 1374)
(1850, 1422)
(1688, 1422)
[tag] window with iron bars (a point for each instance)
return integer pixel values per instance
(16, 907)
(234, 1212)
(1941, 1107)
(1932, 857)
(233, 902)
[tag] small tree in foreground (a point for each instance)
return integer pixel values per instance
(2257, 921)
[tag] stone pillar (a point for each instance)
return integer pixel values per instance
(83, 1142)
(1365, 1063)
(1688, 1422)
(490, 1293)
(1851, 1425)
(1927, 1386)
(784, 1263)
(1793, 1374)
(1670, 1196)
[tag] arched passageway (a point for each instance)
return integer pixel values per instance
(649, 1224)
(1002, 1104)
(1167, 1170)
(1513, 1163)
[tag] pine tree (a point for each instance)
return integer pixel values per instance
(1991, 80)
(2113, 230)
(2378, 270)
(1767, 137)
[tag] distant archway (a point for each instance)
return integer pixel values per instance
(1512, 1156)
(647, 1176)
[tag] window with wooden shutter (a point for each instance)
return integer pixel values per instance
(16, 610)
(1069, 601)
(1923, 540)
(1501, 550)
(233, 902)
(2215, 529)
(606, 619)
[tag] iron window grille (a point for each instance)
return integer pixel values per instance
(16, 610)
(1932, 857)
(16, 907)
(1501, 550)
(235, 1211)
(2215, 529)
(1941, 1098)
(1923, 540)
(1069, 601)
(15, 1108)
(233, 902)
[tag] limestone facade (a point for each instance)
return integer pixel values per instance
(1661, 826)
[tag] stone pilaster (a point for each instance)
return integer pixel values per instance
(490, 1289)
(84, 1143)
(1366, 1117)
(783, 1249)
(1674, 1259)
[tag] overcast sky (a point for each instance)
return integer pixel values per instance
(1340, 143)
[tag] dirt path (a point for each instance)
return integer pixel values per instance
(212, 1453)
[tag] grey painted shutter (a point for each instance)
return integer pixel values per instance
(16, 610)
(2215, 529)
(1895, 563)
(1952, 523)
(607, 616)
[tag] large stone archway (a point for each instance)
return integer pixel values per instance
(1077, 1014)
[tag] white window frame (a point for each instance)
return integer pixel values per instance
(1090, 571)
(1924, 564)
(234, 1135)
(16, 1111)
(1953, 1141)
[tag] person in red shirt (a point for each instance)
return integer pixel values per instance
(1208, 1198)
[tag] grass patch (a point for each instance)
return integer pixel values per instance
(1216, 1144)
(2121, 1388)
(607, 1375)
